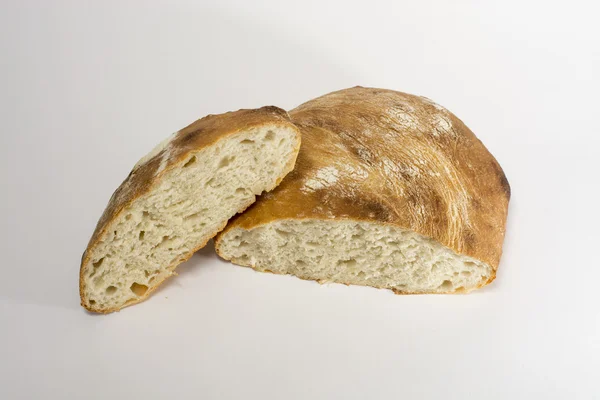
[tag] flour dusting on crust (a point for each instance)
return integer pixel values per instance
(442, 125)
(325, 177)
(156, 150)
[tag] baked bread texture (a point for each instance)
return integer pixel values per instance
(178, 197)
(390, 190)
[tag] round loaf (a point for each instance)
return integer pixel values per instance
(389, 190)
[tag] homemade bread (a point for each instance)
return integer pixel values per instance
(389, 190)
(178, 197)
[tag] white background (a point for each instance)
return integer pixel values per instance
(87, 88)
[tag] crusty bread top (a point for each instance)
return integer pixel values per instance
(390, 157)
(176, 149)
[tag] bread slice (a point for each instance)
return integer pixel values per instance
(178, 197)
(390, 190)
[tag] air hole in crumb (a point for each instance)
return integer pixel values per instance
(240, 190)
(141, 235)
(300, 263)
(92, 302)
(115, 234)
(446, 285)
(282, 233)
(347, 263)
(145, 214)
(434, 268)
(138, 290)
(466, 273)
(192, 217)
(189, 162)
(165, 241)
(128, 217)
(281, 142)
(460, 289)
(225, 161)
(361, 274)
(247, 141)
(269, 136)
(98, 281)
(111, 289)
(146, 273)
(209, 182)
(95, 267)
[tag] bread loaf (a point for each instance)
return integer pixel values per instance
(390, 190)
(178, 197)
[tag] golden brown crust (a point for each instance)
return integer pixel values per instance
(389, 157)
(196, 136)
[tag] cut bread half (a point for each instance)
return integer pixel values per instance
(178, 197)
(389, 190)
(354, 253)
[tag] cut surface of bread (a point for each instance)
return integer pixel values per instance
(389, 190)
(355, 253)
(178, 197)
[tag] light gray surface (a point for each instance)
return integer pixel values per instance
(87, 89)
